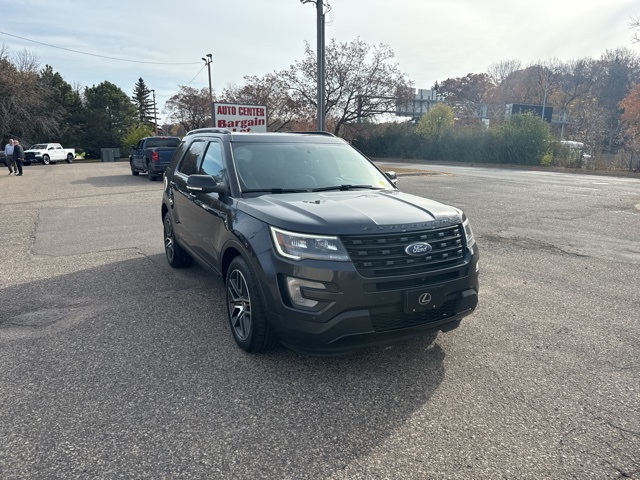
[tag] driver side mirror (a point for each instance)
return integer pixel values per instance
(205, 184)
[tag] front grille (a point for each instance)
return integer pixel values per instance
(377, 255)
(28, 155)
(385, 321)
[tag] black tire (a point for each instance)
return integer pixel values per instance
(176, 255)
(134, 172)
(69, 158)
(245, 310)
(46, 160)
(151, 176)
(26, 164)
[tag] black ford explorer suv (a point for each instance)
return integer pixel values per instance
(317, 247)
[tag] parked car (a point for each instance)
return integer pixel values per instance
(47, 153)
(3, 158)
(317, 247)
(152, 155)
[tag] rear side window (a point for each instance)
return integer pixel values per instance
(189, 164)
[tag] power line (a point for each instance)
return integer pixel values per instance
(96, 55)
(196, 75)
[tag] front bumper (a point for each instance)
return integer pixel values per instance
(355, 311)
(366, 327)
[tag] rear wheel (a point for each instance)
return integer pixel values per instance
(69, 158)
(46, 160)
(151, 176)
(245, 308)
(176, 255)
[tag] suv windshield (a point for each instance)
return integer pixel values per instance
(297, 166)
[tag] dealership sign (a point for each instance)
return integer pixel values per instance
(240, 118)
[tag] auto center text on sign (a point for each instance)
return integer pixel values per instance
(240, 118)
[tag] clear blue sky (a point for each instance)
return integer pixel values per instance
(432, 40)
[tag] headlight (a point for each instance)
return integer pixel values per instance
(468, 233)
(298, 246)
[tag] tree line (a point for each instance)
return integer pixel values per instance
(599, 97)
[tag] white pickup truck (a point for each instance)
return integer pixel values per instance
(48, 153)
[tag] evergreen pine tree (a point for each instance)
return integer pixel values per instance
(144, 105)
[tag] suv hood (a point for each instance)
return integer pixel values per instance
(351, 212)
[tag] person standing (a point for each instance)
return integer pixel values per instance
(8, 151)
(18, 156)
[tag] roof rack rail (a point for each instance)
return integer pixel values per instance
(208, 130)
(328, 134)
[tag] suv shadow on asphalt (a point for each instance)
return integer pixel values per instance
(101, 377)
(116, 180)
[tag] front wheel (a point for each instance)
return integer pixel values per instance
(69, 158)
(176, 255)
(134, 172)
(245, 308)
(46, 160)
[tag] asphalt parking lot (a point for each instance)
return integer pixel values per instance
(115, 365)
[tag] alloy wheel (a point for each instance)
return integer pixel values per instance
(239, 305)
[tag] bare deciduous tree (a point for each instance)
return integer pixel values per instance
(190, 108)
(634, 24)
(271, 91)
(361, 82)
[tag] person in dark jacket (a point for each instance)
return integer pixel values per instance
(18, 156)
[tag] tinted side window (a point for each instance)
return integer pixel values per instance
(212, 161)
(190, 161)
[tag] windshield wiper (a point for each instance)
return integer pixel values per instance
(346, 187)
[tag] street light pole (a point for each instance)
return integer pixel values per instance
(546, 87)
(155, 117)
(320, 62)
(207, 61)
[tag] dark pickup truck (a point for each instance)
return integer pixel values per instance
(152, 155)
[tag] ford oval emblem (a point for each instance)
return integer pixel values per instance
(418, 249)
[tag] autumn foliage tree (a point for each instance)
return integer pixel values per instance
(631, 121)
(472, 88)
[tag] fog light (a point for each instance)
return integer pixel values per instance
(295, 285)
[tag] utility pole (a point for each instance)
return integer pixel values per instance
(207, 62)
(321, 73)
(546, 87)
(155, 117)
